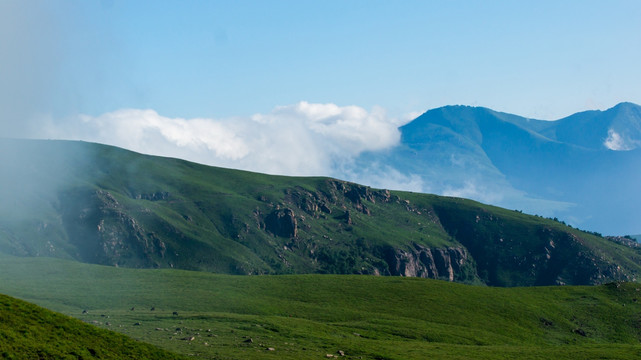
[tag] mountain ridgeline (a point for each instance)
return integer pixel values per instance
(585, 168)
(104, 205)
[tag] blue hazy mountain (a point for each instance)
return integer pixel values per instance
(584, 169)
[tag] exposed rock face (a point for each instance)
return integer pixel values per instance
(357, 194)
(282, 223)
(346, 217)
(434, 263)
(624, 240)
(104, 234)
(335, 194)
(157, 196)
(527, 255)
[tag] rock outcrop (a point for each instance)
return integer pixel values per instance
(434, 263)
(282, 222)
(534, 254)
(104, 233)
(335, 194)
(156, 196)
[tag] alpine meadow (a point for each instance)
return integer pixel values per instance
(160, 249)
(363, 179)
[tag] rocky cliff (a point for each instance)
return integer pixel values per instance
(434, 263)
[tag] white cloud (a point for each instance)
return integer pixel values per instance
(474, 190)
(383, 176)
(299, 139)
(351, 128)
(617, 142)
(147, 131)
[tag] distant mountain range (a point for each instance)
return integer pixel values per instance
(584, 169)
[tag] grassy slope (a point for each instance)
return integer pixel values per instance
(213, 220)
(526, 250)
(308, 316)
(210, 211)
(30, 332)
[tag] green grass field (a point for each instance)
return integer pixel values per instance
(31, 332)
(214, 316)
(86, 203)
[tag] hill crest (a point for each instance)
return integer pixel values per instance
(105, 205)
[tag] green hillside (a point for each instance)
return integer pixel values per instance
(213, 316)
(30, 332)
(105, 205)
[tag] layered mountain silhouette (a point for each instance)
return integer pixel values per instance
(585, 168)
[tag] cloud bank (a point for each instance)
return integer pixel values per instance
(303, 139)
(300, 139)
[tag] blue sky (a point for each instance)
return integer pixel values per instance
(220, 82)
(543, 59)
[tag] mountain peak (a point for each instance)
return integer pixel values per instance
(624, 127)
(626, 105)
(497, 157)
